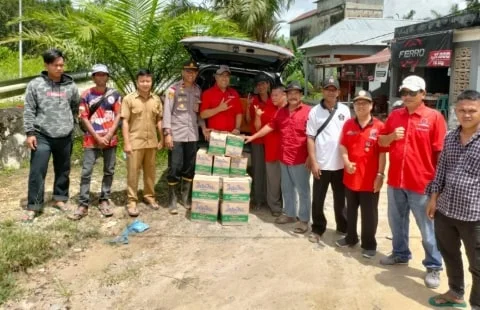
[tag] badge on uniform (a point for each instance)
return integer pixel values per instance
(341, 117)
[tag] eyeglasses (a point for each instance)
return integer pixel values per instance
(411, 93)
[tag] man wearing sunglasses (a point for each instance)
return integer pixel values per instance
(414, 135)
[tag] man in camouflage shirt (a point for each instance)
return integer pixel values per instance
(51, 104)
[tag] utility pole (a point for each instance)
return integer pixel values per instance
(20, 43)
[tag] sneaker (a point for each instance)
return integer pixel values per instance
(368, 253)
(173, 210)
(343, 243)
(283, 219)
(432, 278)
(341, 233)
(393, 260)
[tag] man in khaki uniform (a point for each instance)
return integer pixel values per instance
(142, 119)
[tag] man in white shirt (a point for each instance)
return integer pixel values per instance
(324, 127)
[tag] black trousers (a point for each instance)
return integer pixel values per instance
(320, 187)
(368, 203)
(449, 234)
(61, 150)
(181, 162)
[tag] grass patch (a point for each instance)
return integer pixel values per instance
(5, 104)
(20, 249)
(32, 65)
(23, 247)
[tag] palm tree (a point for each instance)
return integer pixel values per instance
(259, 17)
(473, 5)
(410, 14)
(127, 35)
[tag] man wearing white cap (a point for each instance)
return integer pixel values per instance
(414, 135)
(100, 116)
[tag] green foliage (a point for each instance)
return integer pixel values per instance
(9, 64)
(259, 17)
(296, 64)
(128, 35)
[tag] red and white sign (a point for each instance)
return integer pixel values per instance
(439, 58)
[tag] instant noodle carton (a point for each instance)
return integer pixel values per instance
(217, 143)
(204, 210)
(236, 189)
(221, 166)
(238, 166)
(206, 188)
(234, 147)
(234, 213)
(203, 162)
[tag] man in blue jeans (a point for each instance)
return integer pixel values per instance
(414, 135)
(291, 122)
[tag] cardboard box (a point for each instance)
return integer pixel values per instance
(236, 189)
(206, 188)
(203, 162)
(234, 145)
(204, 211)
(238, 166)
(234, 213)
(217, 143)
(221, 166)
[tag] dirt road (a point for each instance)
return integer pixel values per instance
(179, 264)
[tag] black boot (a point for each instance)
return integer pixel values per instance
(186, 194)
(172, 199)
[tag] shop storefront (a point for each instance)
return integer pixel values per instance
(445, 52)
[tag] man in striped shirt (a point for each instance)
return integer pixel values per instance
(455, 202)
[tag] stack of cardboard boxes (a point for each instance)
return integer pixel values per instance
(221, 182)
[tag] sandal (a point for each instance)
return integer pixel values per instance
(446, 300)
(314, 238)
(132, 210)
(104, 208)
(153, 205)
(79, 213)
(61, 206)
(29, 216)
(301, 228)
(283, 219)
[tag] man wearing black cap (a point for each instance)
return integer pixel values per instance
(364, 161)
(221, 105)
(290, 122)
(324, 127)
(255, 111)
(180, 129)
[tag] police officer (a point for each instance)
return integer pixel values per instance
(180, 128)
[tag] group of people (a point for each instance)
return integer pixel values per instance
(436, 178)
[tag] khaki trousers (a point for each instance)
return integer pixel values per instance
(138, 159)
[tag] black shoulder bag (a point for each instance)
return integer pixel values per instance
(94, 107)
(326, 121)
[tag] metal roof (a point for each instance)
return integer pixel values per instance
(359, 31)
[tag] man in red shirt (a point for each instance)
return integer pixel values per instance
(100, 115)
(255, 110)
(271, 143)
(414, 135)
(363, 175)
(221, 105)
(290, 122)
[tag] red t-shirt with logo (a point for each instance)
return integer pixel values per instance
(272, 140)
(363, 150)
(223, 121)
(292, 127)
(257, 102)
(103, 118)
(412, 164)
